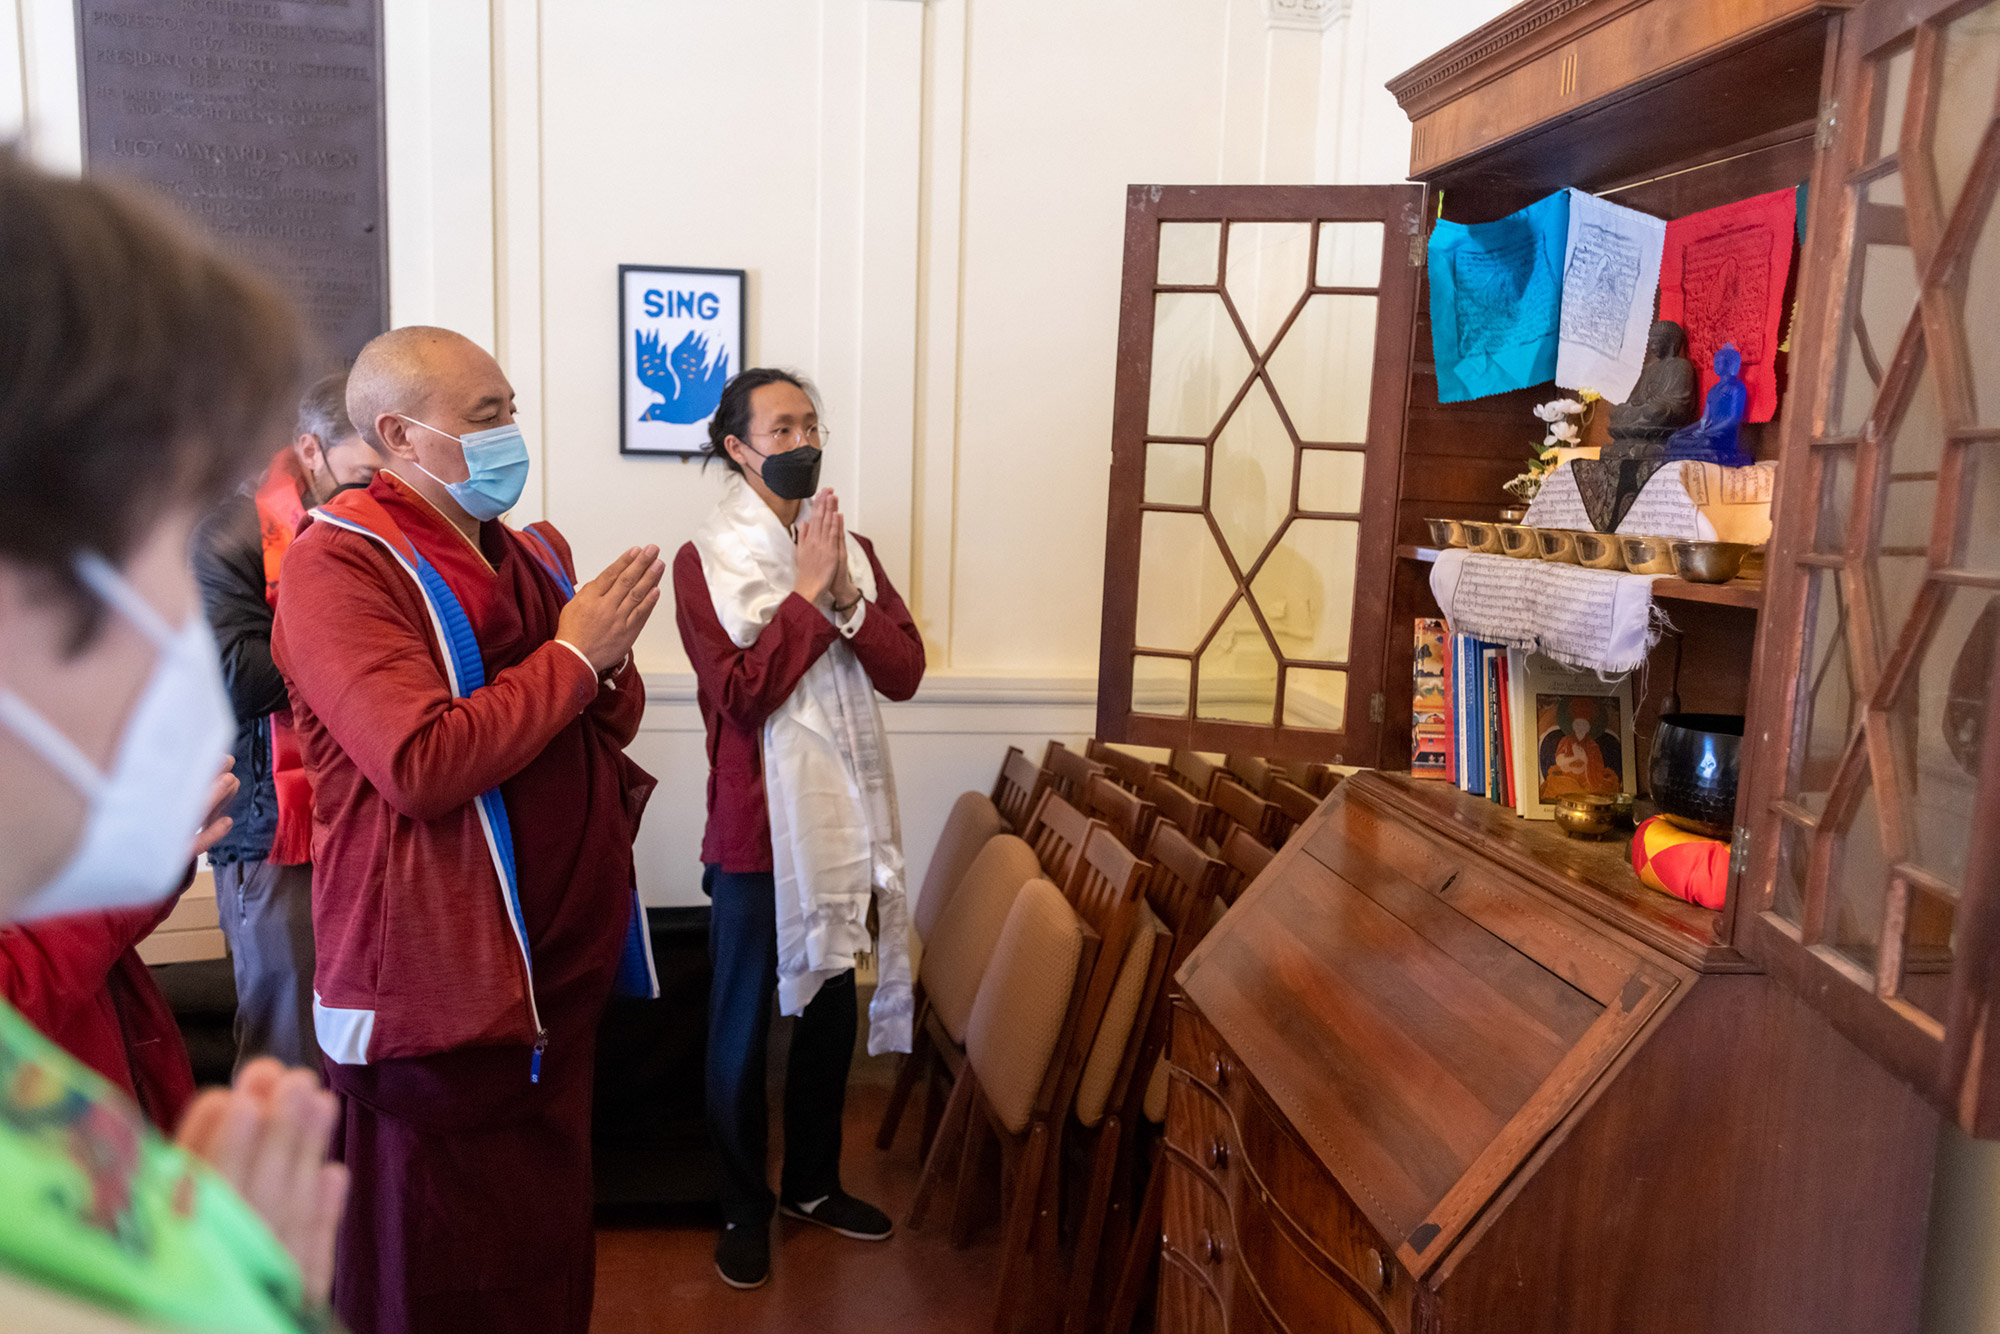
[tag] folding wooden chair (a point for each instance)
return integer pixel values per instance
(1251, 771)
(1018, 788)
(1318, 779)
(1068, 771)
(1181, 889)
(1125, 814)
(1237, 807)
(1056, 832)
(1246, 859)
(1193, 816)
(956, 955)
(1035, 1008)
(1194, 772)
(1293, 805)
(1129, 771)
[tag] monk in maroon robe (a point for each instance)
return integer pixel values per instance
(473, 820)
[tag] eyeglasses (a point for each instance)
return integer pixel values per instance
(789, 438)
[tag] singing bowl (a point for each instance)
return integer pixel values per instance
(1709, 562)
(1480, 536)
(1445, 533)
(1599, 551)
(1556, 544)
(1518, 541)
(1695, 764)
(1647, 555)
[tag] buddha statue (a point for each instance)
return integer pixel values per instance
(1713, 438)
(1661, 402)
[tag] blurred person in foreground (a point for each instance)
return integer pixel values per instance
(142, 378)
(463, 708)
(263, 865)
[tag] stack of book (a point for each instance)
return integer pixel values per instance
(1516, 727)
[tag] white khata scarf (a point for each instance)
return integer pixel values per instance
(835, 837)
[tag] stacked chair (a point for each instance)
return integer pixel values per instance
(1054, 915)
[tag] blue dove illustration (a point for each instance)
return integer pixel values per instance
(689, 388)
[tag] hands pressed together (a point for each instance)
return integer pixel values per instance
(605, 617)
(822, 543)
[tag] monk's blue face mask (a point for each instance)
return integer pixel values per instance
(497, 461)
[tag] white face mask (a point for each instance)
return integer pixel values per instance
(143, 814)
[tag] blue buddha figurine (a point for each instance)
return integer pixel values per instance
(1713, 438)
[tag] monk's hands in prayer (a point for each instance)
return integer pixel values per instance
(845, 594)
(822, 544)
(605, 617)
(267, 1137)
(219, 795)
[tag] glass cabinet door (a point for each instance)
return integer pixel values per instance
(1874, 874)
(1264, 346)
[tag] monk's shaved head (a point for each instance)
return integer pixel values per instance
(397, 372)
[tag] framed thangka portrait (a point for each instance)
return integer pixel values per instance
(681, 336)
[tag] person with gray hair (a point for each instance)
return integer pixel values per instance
(263, 871)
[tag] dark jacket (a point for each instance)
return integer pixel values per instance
(228, 558)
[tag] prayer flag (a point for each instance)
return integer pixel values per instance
(1611, 268)
(1495, 297)
(1722, 277)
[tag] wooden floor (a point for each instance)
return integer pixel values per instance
(656, 1272)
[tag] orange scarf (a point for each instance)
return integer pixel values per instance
(280, 511)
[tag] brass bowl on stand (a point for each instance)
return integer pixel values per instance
(1587, 816)
(1556, 544)
(1647, 555)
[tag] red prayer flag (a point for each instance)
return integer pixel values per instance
(1722, 279)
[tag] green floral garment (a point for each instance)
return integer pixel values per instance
(95, 1204)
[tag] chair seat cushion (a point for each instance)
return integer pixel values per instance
(957, 951)
(973, 822)
(1108, 1051)
(1018, 1017)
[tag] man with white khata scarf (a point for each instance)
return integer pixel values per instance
(792, 627)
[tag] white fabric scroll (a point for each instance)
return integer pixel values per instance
(1602, 620)
(1611, 269)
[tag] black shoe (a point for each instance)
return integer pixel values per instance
(842, 1213)
(743, 1255)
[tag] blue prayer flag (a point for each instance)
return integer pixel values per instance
(1496, 300)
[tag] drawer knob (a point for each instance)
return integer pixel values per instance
(1211, 1248)
(1378, 1270)
(1220, 1069)
(1218, 1155)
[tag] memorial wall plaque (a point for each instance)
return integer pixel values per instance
(263, 119)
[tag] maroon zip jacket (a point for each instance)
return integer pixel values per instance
(738, 688)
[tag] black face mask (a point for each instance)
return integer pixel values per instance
(794, 474)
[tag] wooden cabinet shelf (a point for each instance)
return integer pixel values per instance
(1736, 593)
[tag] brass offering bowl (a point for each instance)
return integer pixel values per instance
(1445, 533)
(1586, 815)
(1480, 536)
(1599, 551)
(1513, 515)
(1518, 541)
(1647, 555)
(1556, 544)
(1709, 562)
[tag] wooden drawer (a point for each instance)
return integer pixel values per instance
(1195, 1227)
(1187, 1304)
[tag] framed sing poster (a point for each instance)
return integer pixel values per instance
(681, 336)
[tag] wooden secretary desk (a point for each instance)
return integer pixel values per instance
(1441, 1069)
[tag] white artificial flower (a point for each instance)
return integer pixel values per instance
(1566, 407)
(1564, 431)
(1545, 412)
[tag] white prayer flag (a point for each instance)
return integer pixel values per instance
(1611, 269)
